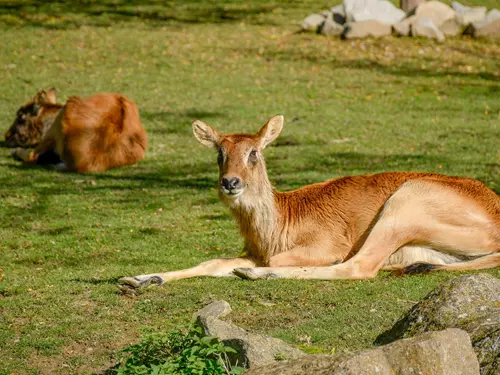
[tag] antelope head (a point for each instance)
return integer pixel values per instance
(242, 170)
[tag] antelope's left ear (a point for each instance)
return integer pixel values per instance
(271, 130)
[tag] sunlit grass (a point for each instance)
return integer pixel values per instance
(350, 108)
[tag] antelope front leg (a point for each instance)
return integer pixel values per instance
(214, 268)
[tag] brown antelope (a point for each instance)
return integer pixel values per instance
(90, 134)
(346, 228)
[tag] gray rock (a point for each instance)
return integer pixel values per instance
(253, 349)
(487, 28)
(312, 22)
(330, 27)
(216, 309)
(409, 5)
(436, 11)
(378, 10)
(365, 29)
(467, 15)
(425, 27)
(471, 303)
(451, 28)
(447, 352)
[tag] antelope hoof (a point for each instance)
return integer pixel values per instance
(141, 281)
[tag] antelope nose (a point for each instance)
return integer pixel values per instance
(230, 183)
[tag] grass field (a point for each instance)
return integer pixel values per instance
(350, 108)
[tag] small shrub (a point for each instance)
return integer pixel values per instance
(179, 352)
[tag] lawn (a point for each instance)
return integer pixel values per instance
(350, 107)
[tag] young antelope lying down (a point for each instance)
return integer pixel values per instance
(90, 134)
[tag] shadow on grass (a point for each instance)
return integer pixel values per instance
(175, 122)
(62, 14)
(202, 176)
(95, 281)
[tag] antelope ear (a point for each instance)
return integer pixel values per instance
(271, 130)
(206, 134)
(51, 95)
(45, 97)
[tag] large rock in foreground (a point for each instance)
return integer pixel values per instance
(471, 303)
(253, 349)
(447, 352)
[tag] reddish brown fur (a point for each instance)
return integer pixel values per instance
(346, 228)
(92, 134)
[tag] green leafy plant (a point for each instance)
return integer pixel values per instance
(180, 352)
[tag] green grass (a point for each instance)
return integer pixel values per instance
(350, 108)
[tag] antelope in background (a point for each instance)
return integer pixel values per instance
(345, 228)
(90, 134)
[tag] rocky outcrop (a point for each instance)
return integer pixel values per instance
(431, 19)
(448, 352)
(471, 303)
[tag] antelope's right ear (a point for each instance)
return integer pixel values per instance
(205, 134)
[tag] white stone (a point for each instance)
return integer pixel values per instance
(377, 10)
(329, 27)
(466, 15)
(425, 27)
(436, 11)
(364, 29)
(312, 22)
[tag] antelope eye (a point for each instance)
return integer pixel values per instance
(252, 157)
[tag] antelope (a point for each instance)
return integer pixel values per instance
(345, 228)
(90, 134)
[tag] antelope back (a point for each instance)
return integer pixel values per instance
(101, 132)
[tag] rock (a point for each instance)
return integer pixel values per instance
(253, 349)
(338, 14)
(409, 5)
(377, 10)
(330, 27)
(469, 302)
(466, 15)
(447, 352)
(487, 28)
(403, 28)
(326, 14)
(451, 28)
(492, 30)
(436, 11)
(425, 27)
(365, 29)
(216, 309)
(312, 22)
